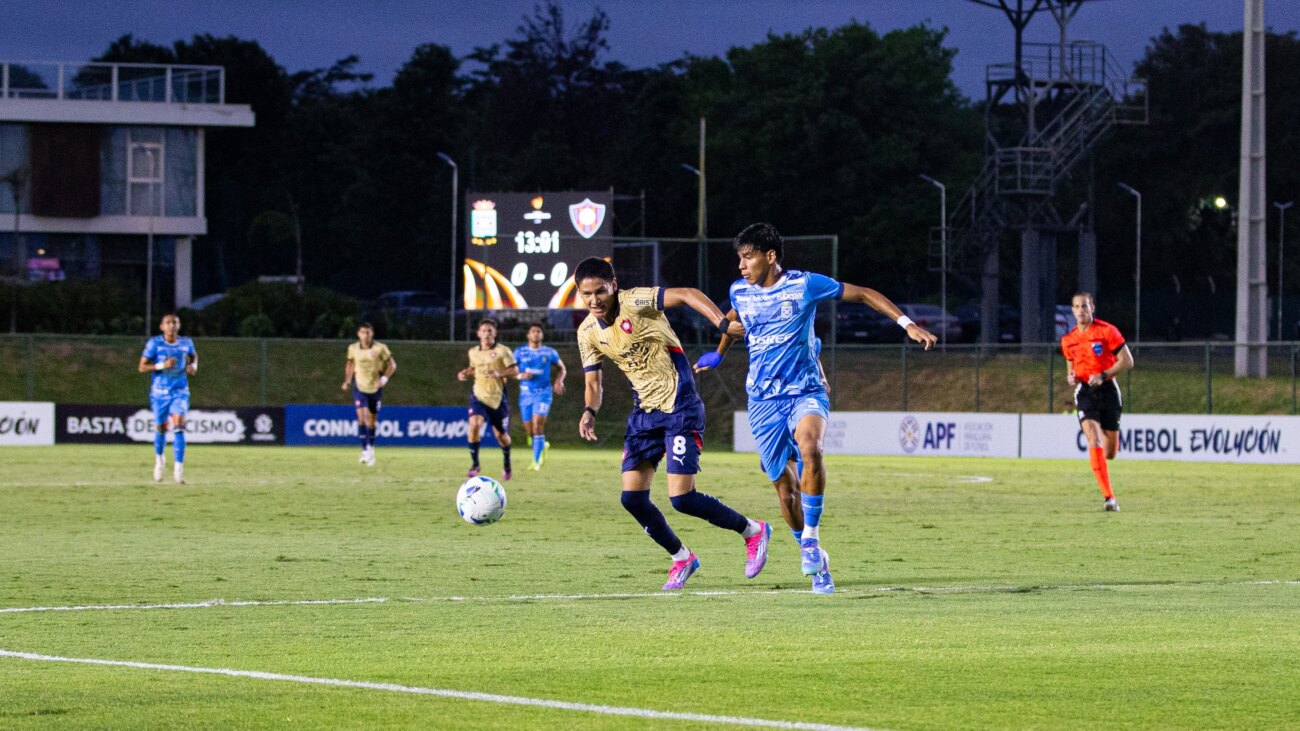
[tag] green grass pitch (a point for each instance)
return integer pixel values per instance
(974, 594)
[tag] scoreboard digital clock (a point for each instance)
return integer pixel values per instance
(521, 248)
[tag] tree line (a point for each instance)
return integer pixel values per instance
(820, 132)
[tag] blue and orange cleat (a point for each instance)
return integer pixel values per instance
(756, 550)
(681, 571)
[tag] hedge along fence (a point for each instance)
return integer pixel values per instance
(1169, 378)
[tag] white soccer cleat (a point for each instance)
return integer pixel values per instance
(364, 456)
(157, 470)
(1110, 506)
(178, 474)
(369, 460)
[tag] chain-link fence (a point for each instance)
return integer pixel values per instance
(1168, 378)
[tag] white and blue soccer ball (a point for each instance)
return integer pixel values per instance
(481, 500)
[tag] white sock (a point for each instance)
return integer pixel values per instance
(683, 554)
(751, 530)
(810, 533)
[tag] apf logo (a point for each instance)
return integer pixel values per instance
(909, 434)
(586, 217)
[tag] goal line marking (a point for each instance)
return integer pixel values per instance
(446, 693)
(195, 605)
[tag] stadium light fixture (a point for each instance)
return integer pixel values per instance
(1220, 202)
(451, 272)
(1137, 270)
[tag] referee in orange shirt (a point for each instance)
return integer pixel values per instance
(1095, 352)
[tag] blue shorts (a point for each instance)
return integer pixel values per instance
(498, 418)
(165, 405)
(652, 434)
(773, 421)
(368, 401)
(534, 403)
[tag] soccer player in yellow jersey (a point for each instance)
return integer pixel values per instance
(628, 327)
(490, 364)
(369, 366)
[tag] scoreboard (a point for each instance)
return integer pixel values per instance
(521, 248)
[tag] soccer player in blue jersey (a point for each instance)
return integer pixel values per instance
(535, 389)
(170, 359)
(628, 328)
(788, 406)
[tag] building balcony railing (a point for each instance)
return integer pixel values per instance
(113, 82)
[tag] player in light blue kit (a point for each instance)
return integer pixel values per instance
(788, 406)
(535, 389)
(170, 359)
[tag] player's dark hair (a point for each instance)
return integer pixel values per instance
(760, 237)
(366, 326)
(1081, 293)
(593, 267)
(489, 321)
(537, 325)
(166, 315)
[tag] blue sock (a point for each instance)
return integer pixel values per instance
(159, 442)
(363, 434)
(706, 507)
(178, 446)
(812, 513)
(637, 502)
(473, 452)
(370, 435)
(539, 443)
(798, 535)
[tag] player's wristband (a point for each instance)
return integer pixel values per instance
(383, 381)
(903, 321)
(723, 325)
(709, 360)
(590, 410)
(160, 366)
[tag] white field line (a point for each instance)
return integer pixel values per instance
(194, 605)
(972, 589)
(445, 693)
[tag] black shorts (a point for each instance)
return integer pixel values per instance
(498, 418)
(368, 401)
(1102, 404)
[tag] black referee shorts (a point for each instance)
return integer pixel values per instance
(1102, 404)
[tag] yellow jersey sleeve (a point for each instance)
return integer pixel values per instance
(592, 358)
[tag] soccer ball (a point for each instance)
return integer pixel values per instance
(481, 500)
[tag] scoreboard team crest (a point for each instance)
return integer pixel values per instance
(521, 248)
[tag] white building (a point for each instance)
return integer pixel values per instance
(101, 157)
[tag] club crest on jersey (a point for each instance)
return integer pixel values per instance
(587, 217)
(625, 325)
(1096, 348)
(787, 310)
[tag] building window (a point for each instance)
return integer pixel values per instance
(145, 181)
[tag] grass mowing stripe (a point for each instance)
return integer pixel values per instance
(445, 693)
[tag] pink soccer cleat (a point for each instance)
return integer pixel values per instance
(756, 550)
(680, 572)
(473, 471)
(505, 475)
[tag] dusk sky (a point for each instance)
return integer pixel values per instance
(304, 34)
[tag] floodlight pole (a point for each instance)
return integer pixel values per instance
(1137, 291)
(943, 253)
(451, 288)
(1281, 240)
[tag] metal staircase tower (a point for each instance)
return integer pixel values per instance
(1045, 113)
